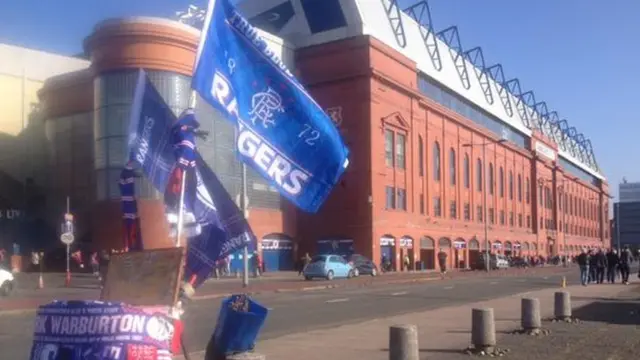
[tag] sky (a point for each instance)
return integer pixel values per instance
(579, 56)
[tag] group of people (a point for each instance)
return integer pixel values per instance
(595, 264)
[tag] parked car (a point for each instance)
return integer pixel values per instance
(7, 282)
(328, 267)
(362, 265)
(496, 261)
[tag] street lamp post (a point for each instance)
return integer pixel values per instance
(484, 145)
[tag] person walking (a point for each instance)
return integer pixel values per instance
(601, 265)
(613, 260)
(442, 261)
(625, 264)
(583, 261)
(592, 265)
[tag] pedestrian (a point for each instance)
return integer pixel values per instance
(592, 266)
(407, 262)
(306, 260)
(583, 261)
(625, 264)
(601, 265)
(442, 261)
(613, 260)
(95, 264)
(104, 259)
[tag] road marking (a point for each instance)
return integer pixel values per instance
(545, 278)
(493, 283)
(522, 280)
(448, 287)
(399, 293)
(337, 300)
(269, 309)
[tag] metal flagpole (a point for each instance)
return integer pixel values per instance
(68, 274)
(243, 207)
(192, 104)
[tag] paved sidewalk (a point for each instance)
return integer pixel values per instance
(443, 332)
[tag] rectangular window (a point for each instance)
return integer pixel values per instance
(467, 212)
(511, 218)
(400, 151)
(388, 147)
(529, 221)
(422, 204)
(479, 213)
(502, 219)
(519, 220)
(541, 223)
(402, 199)
(390, 202)
(453, 210)
(420, 156)
(437, 207)
(492, 219)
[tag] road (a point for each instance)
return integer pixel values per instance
(299, 311)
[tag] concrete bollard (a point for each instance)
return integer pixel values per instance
(562, 305)
(483, 329)
(403, 342)
(530, 314)
(246, 356)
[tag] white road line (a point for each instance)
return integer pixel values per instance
(522, 280)
(448, 287)
(337, 300)
(493, 283)
(545, 278)
(399, 293)
(269, 309)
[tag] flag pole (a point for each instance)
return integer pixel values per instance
(192, 104)
(243, 205)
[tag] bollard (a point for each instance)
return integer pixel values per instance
(246, 356)
(403, 342)
(562, 305)
(483, 329)
(530, 314)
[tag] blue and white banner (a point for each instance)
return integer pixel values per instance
(222, 229)
(283, 133)
(87, 330)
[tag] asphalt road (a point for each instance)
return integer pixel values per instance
(292, 312)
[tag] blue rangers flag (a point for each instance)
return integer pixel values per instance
(218, 226)
(282, 132)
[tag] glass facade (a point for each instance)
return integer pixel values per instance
(113, 96)
(578, 172)
(447, 98)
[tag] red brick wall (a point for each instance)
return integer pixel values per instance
(377, 90)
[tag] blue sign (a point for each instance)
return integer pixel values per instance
(282, 132)
(87, 330)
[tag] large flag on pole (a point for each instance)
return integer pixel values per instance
(283, 133)
(132, 239)
(222, 229)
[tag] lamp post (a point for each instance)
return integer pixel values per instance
(484, 145)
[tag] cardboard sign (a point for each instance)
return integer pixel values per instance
(150, 277)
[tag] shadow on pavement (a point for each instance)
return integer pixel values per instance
(441, 351)
(610, 311)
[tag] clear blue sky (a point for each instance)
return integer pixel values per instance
(580, 56)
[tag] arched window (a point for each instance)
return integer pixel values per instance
(436, 161)
(466, 171)
(519, 188)
(479, 175)
(527, 190)
(452, 166)
(420, 156)
(501, 182)
(491, 180)
(510, 185)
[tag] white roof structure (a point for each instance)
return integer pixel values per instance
(439, 55)
(36, 65)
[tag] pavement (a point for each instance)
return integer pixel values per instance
(444, 332)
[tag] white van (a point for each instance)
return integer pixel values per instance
(502, 262)
(7, 282)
